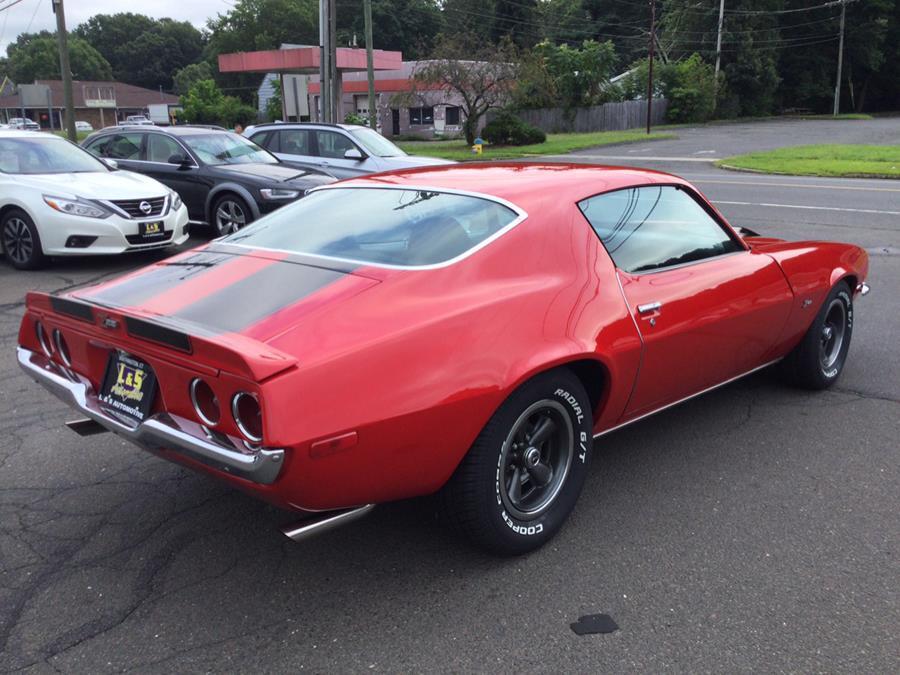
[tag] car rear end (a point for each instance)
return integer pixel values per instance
(185, 397)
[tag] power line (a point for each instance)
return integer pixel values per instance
(11, 4)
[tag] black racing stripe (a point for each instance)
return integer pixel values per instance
(253, 298)
(159, 279)
(79, 310)
(157, 333)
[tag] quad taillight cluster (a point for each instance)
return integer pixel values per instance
(53, 344)
(245, 410)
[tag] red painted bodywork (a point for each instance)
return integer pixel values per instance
(378, 383)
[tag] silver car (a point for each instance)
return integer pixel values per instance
(343, 150)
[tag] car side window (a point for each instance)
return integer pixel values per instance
(332, 145)
(654, 227)
(119, 146)
(266, 139)
(160, 148)
(295, 142)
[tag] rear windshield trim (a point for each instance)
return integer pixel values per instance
(520, 216)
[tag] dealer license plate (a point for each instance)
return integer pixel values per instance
(129, 386)
(152, 230)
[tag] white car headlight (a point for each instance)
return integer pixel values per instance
(279, 193)
(176, 201)
(76, 207)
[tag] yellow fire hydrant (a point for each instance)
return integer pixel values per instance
(478, 147)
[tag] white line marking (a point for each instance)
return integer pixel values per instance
(797, 185)
(620, 158)
(810, 208)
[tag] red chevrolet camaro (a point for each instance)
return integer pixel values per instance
(467, 330)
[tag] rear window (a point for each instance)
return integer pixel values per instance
(396, 227)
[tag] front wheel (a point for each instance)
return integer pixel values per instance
(819, 359)
(21, 241)
(521, 478)
(230, 214)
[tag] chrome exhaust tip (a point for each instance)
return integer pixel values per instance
(323, 522)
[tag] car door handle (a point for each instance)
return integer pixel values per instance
(649, 307)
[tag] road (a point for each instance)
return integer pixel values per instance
(752, 529)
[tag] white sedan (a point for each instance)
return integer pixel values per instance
(57, 199)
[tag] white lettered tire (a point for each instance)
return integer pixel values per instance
(521, 478)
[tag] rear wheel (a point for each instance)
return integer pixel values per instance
(522, 476)
(230, 214)
(21, 241)
(817, 362)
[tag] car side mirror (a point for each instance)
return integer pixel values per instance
(353, 153)
(182, 161)
(111, 163)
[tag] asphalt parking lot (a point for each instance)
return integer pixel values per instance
(755, 528)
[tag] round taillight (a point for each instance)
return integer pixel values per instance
(43, 338)
(61, 347)
(206, 405)
(248, 415)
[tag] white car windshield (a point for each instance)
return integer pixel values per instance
(380, 226)
(227, 148)
(46, 155)
(376, 144)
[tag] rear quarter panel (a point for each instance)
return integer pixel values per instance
(418, 364)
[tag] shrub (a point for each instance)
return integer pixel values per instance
(689, 85)
(507, 129)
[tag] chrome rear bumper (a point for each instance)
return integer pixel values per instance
(159, 432)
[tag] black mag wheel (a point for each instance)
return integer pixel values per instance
(535, 459)
(521, 478)
(21, 242)
(817, 362)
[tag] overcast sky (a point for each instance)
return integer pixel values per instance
(18, 18)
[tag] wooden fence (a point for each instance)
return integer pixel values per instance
(606, 117)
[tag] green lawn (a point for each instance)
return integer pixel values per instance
(842, 116)
(81, 135)
(556, 144)
(881, 161)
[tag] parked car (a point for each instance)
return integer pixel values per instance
(24, 123)
(343, 150)
(466, 329)
(225, 180)
(57, 200)
(83, 126)
(136, 120)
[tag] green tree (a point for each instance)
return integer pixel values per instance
(409, 26)
(689, 86)
(143, 51)
(515, 20)
(481, 76)
(567, 76)
(35, 56)
(206, 104)
(188, 76)
(274, 111)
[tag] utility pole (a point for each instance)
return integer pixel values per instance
(63, 38)
(837, 85)
(334, 75)
(719, 37)
(650, 66)
(325, 96)
(370, 64)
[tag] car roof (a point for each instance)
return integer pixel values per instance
(180, 130)
(21, 133)
(526, 184)
(305, 125)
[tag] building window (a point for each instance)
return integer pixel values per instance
(422, 115)
(453, 115)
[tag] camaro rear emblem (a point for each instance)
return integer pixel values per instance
(145, 207)
(109, 322)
